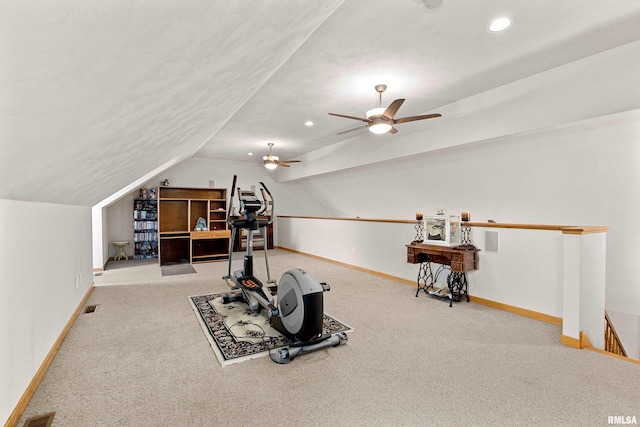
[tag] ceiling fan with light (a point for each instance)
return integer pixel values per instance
(271, 162)
(381, 120)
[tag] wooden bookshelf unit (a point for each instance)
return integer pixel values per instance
(178, 211)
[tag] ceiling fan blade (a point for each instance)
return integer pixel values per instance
(290, 161)
(283, 165)
(414, 118)
(393, 130)
(392, 109)
(351, 130)
(350, 117)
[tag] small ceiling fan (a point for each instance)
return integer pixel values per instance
(271, 162)
(380, 120)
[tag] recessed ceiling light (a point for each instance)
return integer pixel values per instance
(500, 24)
(308, 123)
(250, 154)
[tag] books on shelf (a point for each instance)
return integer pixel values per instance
(142, 215)
(145, 225)
(146, 207)
(145, 250)
(145, 237)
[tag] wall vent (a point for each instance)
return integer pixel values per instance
(491, 241)
(40, 421)
(90, 308)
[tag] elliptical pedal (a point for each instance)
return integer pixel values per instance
(250, 283)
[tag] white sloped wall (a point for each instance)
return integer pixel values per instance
(45, 271)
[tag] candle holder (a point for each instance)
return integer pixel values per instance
(465, 232)
(466, 235)
(419, 231)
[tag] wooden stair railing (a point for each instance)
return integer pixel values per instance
(612, 342)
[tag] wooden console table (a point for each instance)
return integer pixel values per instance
(458, 259)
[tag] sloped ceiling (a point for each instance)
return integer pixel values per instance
(95, 95)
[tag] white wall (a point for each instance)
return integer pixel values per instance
(44, 249)
(525, 272)
(372, 245)
(197, 172)
(584, 174)
(511, 276)
(120, 224)
(100, 229)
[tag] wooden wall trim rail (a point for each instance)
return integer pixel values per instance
(37, 378)
(397, 221)
(584, 230)
(565, 229)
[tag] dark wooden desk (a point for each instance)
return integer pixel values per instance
(458, 260)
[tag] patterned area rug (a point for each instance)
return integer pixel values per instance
(236, 334)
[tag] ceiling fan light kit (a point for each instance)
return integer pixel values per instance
(381, 120)
(271, 162)
(379, 127)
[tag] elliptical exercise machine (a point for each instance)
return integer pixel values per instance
(299, 309)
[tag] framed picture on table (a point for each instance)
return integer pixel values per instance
(437, 230)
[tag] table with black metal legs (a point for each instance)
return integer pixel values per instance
(457, 260)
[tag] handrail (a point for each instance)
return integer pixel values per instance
(565, 229)
(397, 221)
(612, 342)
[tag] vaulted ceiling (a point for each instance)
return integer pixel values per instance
(95, 95)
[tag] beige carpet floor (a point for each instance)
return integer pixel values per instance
(142, 360)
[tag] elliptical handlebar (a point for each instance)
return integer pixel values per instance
(230, 207)
(268, 209)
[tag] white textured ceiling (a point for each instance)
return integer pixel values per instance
(95, 94)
